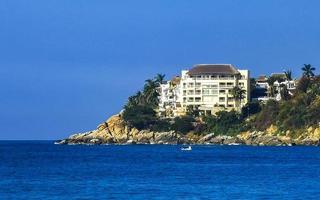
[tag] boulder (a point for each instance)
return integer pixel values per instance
(219, 139)
(206, 138)
(232, 141)
(165, 137)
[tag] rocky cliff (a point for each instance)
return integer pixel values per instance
(116, 131)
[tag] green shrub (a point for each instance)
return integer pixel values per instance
(291, 116)
(193, 111)
(161, 125)
(267, 116)
(224, 123)
(250, 108)
(182, 124)
(139, 116)
(303, 84)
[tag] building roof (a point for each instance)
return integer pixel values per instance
(176, 80)
(262, 78)
(213, 69)
(282, 75)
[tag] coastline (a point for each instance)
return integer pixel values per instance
(116, 131)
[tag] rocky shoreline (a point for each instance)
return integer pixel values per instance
(116, 131)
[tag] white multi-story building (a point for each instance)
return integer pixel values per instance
(262, 82)
(170, 98)
(207, 87)
(279, 86)
(265, 92)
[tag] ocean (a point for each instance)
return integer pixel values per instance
(42, 170)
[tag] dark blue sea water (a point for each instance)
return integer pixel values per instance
(42, 170)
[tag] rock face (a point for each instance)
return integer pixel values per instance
(116, 131)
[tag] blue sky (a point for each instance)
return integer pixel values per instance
(66, 66)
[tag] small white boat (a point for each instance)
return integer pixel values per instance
(234, 144)
(189, 148)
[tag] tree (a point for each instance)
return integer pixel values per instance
(151, 93)
(139, 116)
(238, 93)
(315, 86)
(250, 109)
(271, 91)
(137, 99)
(224, 123)
(267, 116)
(288, 74)
(160, 78)
(308, 70)
(284, 92)
(303, 84)
(252, 87)
(271, 80)
(182, 124)
(139, 110)
(274, 78)
(314, 112)
(161, 125)
(193, 111)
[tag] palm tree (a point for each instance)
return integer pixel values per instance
(308, 70)
(150, 92)
(284, 92)
(288, 74)
(160, 78)
(238, 94)
(140, 98)
(137, 99)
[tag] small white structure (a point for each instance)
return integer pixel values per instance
(262, 84)
(169, 99)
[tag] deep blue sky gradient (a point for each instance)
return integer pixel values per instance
(65, 66)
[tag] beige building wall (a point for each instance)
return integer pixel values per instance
(208, 92)
(212, 93)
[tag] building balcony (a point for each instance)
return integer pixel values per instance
(213, 78)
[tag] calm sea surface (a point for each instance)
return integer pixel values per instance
(42, 170)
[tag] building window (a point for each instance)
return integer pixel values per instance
(190, 92)
(229, 84)
(184, 85)
(190, 85)
(205, 91)
(222, 99)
